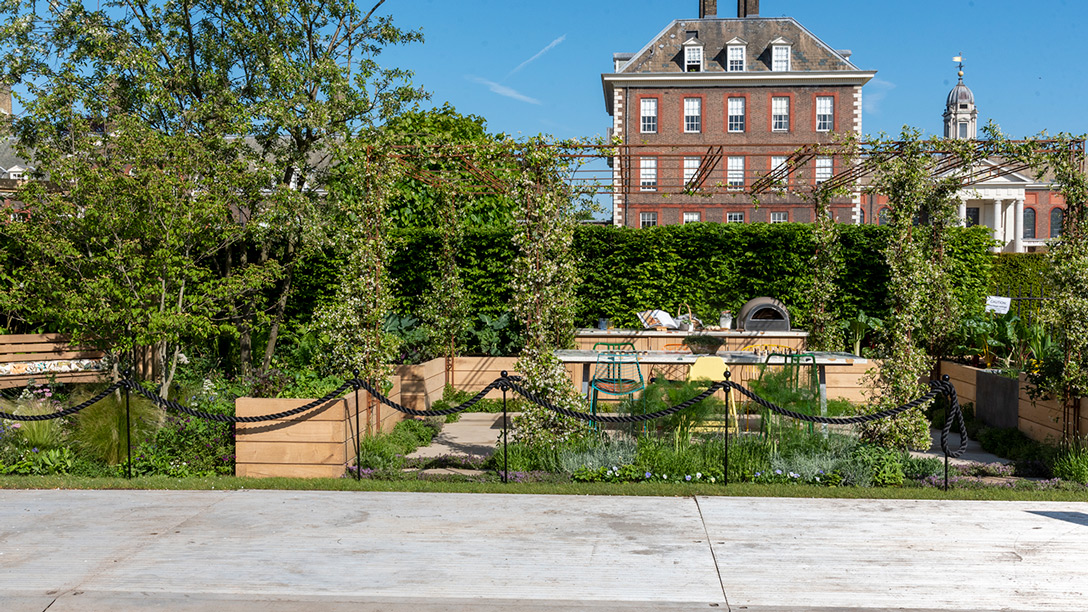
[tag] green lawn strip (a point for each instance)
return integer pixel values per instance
(439, 486)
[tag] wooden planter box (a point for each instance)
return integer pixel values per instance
(321, 442)
(1004, 402)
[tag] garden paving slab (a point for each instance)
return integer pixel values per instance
(354, 546)
(476, 434)
(423, 552)
(900, 554)
(973, 454)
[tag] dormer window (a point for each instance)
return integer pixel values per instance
(780, 55)
(734, 55)
(693, 55)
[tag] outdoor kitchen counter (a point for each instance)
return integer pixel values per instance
(587, 358)
(653, 340)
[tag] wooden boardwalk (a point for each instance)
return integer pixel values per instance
(419, 552)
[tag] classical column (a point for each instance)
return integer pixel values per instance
(999, 226)
(1018, 225)
(963, 213)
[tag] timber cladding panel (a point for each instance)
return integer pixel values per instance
(1041, 420)
(310, 445)
(472, 374)
(850, 382)
(962, 378)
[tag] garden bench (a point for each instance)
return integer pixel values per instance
(44, 358)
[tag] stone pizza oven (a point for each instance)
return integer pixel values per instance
(763, 314)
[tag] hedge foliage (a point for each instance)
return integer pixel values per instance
(1017, 274)
(710, 266)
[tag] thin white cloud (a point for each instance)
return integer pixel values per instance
(874, 94)
(503, 90)
(550, 46)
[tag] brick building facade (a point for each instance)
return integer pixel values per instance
(713, 104)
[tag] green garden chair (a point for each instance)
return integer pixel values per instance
(617, 372)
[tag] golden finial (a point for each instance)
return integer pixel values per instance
(959, 58)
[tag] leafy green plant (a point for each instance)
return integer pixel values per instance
(679, 425)
(34, 461)
(494, 335)
(1030, 457)
(885, 465)
(523, 457)
(414, 339)
(387, 451)
(1071, 462)
(860, 327)
(920, 468)
(663, 456)
(703, 343)
(102, 431)
(749, 455)
(596, 454)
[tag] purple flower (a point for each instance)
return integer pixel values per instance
(688, 477)
(648, 474)
(779, 472)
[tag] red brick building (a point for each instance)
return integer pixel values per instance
(712, 104)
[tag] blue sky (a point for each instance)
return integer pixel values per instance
(534, 66)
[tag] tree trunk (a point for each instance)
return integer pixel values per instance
(281, 306)
(245, 331)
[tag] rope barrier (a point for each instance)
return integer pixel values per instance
(226, 418)
(67, 411)
(506, 382)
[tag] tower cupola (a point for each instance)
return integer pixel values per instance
(960, 114)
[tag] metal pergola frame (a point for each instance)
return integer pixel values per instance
(593, 168)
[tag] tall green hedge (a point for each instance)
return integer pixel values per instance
(1020, 274)
(710, 266)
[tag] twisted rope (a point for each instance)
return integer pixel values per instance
(224, 418)
(469, 403)
(624, 418)
(955, 414)
(863, 418)
(67, 411)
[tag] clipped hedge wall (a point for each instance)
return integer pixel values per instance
(710, 266)
(1020, 274)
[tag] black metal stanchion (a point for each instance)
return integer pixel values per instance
(358, 432)
(728, 389)
(946, 471)
(128, 425)
(505, 464)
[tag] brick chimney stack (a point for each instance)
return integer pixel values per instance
(747, 8)
(708, 9)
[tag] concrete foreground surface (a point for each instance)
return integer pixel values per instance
(273, 551)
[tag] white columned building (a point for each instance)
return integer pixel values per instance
(998, 203)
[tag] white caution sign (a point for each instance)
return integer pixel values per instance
(998, 304)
